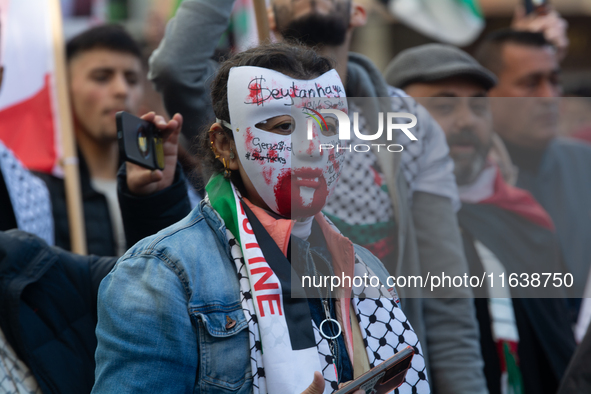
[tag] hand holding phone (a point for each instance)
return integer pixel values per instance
(383, 378)
(539, 16)
(147, 179)
(140, 142)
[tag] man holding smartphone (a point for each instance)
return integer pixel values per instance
(104, 77)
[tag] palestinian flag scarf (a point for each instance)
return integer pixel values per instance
(285, 345)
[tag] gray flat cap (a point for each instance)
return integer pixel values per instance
(433, 62)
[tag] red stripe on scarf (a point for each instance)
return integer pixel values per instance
(518, 201)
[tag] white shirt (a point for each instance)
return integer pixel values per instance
(108, 187)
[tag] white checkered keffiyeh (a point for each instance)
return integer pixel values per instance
(384, 327)
(360, 197)
(29, 197)
(15, 376)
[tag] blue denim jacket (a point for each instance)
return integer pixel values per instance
(164, 309)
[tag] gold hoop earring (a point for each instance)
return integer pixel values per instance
(214, 150)
(227, 171)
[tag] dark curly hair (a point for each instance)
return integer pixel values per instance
(292, 59)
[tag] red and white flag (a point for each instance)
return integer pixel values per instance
(29, 121)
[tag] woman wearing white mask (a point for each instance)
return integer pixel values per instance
(215, 303)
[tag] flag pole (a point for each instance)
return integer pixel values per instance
(69, 160)
(260, 12)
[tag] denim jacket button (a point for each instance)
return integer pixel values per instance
(230, 323)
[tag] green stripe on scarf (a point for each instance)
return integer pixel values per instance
(175, 6)
(515, 381)
(222, 200)
(473, 6)
(363, 234)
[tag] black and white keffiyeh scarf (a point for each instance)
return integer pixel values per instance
(29, 197)
(285, 345)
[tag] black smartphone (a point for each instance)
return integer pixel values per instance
(140, 142)
(383, 378)
(535, 6)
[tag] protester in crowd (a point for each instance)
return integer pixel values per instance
(104, 68)
(24, 204)
(24, 199)
(48, 297)
(47, 316)
(181, 311)
(415, 221)
(43, 349)
(526, 342)
(525, 112)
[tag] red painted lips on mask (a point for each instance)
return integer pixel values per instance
(288, 193)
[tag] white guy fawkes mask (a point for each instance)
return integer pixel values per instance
(291, 174)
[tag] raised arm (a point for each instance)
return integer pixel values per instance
(182, 69)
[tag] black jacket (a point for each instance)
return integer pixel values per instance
(100, 239)
(546, 341)
(146, 215)
(48, 310)
(142, 215)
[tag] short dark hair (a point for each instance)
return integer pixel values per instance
(112, 37)
(292, 59)
(489, 52)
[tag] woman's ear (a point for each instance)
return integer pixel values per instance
(223, 147)
(233, 157)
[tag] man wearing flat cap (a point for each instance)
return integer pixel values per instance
(526, 341)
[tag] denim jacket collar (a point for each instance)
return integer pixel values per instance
(215, 221)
